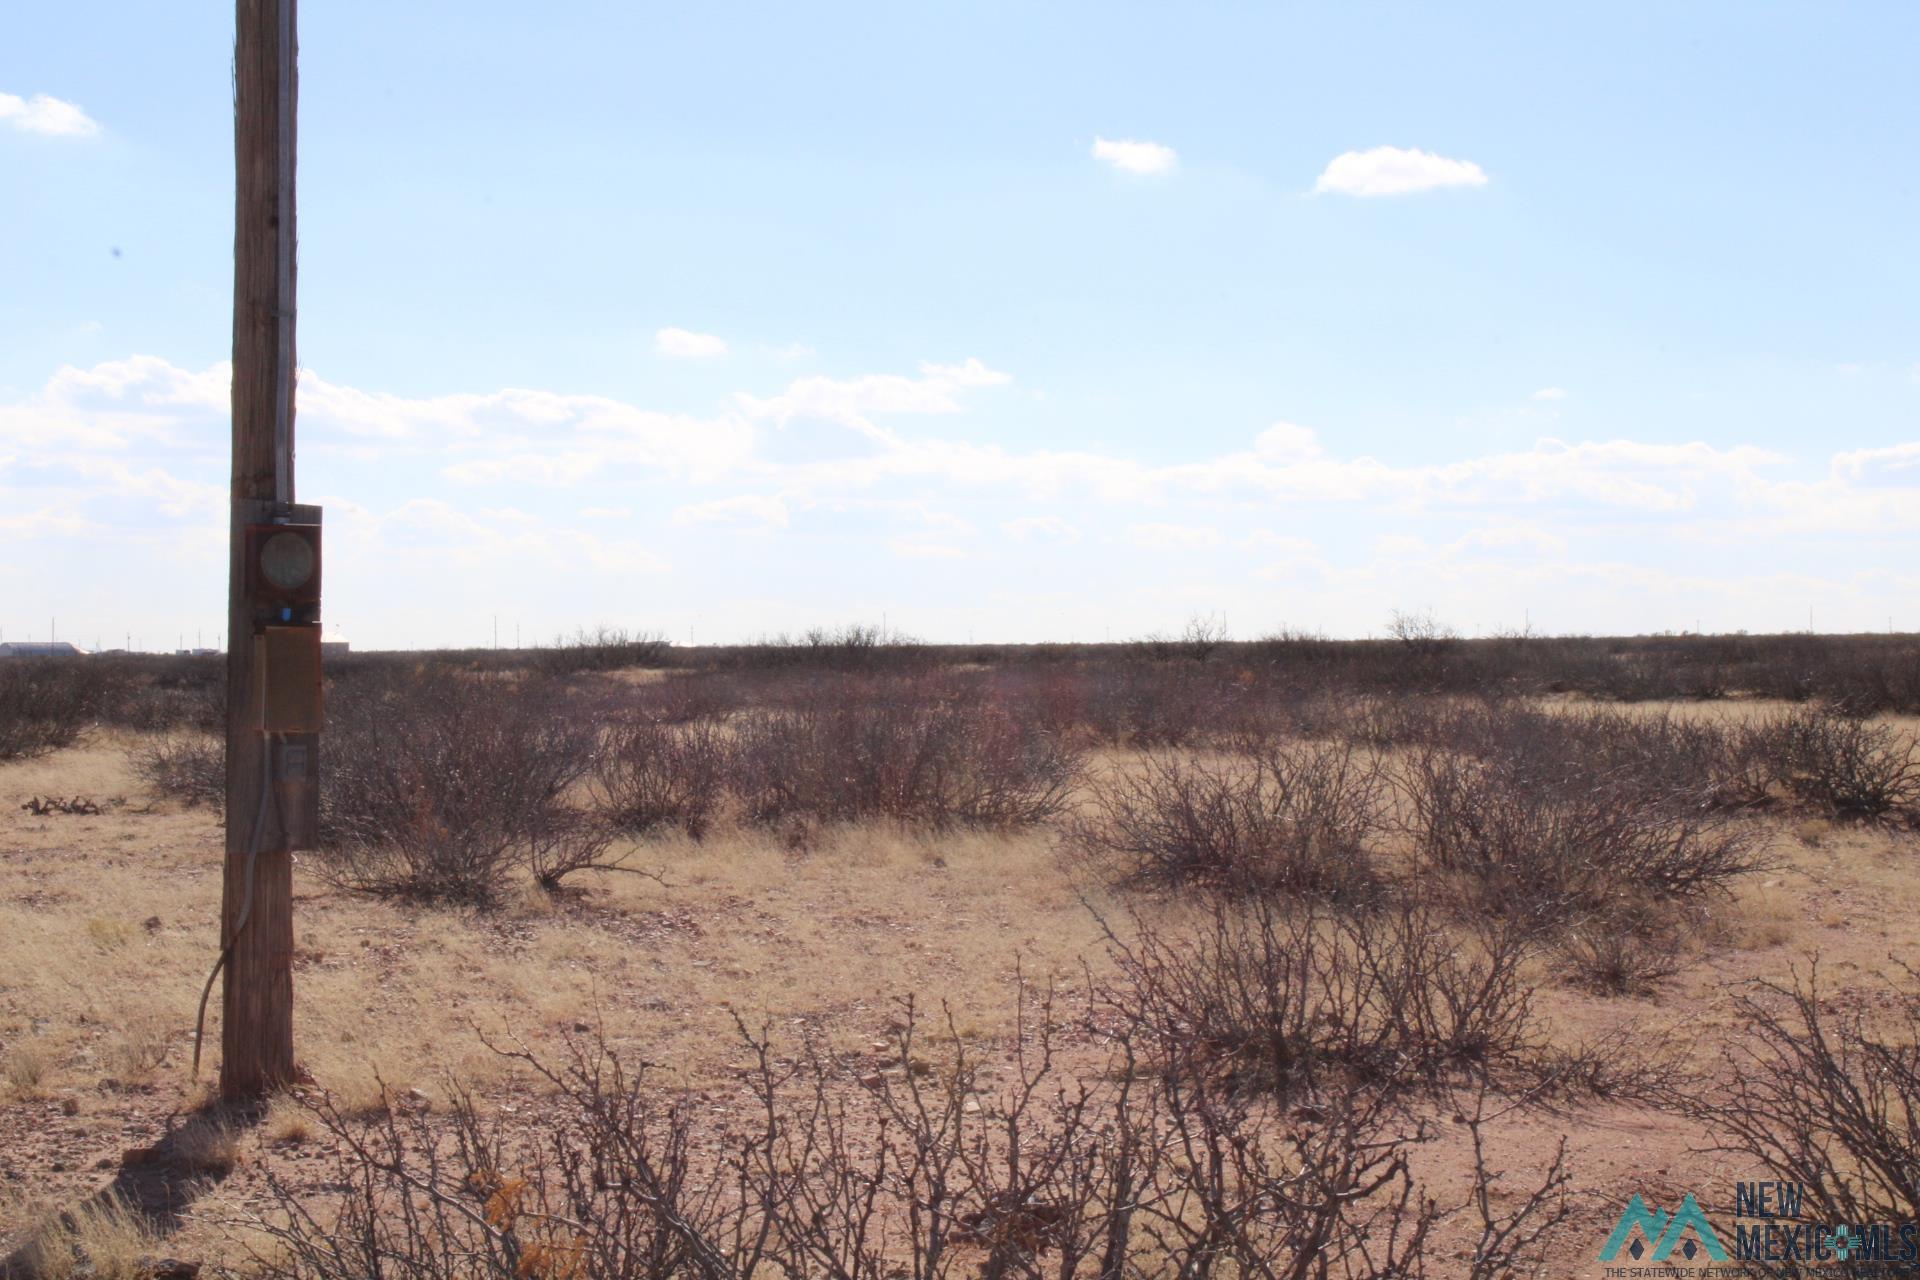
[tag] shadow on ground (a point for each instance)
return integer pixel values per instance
(154, 1187)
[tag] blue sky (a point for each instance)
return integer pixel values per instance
(1012, 322)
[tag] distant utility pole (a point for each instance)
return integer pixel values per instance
(256, 913)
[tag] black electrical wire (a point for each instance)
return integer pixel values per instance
(246, 902)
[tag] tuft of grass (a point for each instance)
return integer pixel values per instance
(138, 1049)
(110, 933)
(1609, 960)
(288, 1123)
(106, 1239)
(25, 1067)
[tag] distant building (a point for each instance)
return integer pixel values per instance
(333, 646)
(38, 649)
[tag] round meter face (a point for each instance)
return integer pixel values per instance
(287, 561)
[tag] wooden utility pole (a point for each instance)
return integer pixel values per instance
(256, 1031)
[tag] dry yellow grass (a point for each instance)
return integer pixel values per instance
(108, 926)
(100, 1240)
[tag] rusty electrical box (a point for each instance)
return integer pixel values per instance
(283, 572)
(282, 582)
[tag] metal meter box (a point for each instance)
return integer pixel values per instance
(287, 660)
(283, 572)
(279, 575)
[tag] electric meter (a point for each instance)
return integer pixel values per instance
(283, 573)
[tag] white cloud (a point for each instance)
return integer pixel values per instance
(1548, 393)
(132, 452)
(910, 550)
(1390, 171)
(1132, 156)
(851, 401)
(1268, 540)
(747, 509)
(46, 115)
(1893, 466)
(1040, 528)
(1291, 557)
(1286, 440)
(1173, 537)
(684, 344)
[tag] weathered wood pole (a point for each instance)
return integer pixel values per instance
(256, 1030)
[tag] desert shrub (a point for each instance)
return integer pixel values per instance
(601, 649)
(1827, 1097)
(189, 767)
(1847, 767)
(567, 842)
(1668, 757)
(1421, 634)
(151, 692)
(651, 775)
(1292, 817)
(1613, 958)
(1290, 999)
(439, 785)
(925, 751)
(46, 702)
(855, 649)
(1533, 838)
(685, 699)
(1869, 682)
(927, 1175)
(1152, 704)
(1201, 637)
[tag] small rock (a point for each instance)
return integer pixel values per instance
(151, 924)
(583, 1026)
(873, 1081)
(166, 1269)
(69, 1106)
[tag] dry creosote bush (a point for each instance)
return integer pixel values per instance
(929, 1172)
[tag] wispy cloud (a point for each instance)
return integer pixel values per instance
(1130, 155)
(684, 344)
(1173, 537)
(750, 510)
(1391, 171)
(46, 115)
(550, 484)
(853, 402)
(1040, 529)
(908, 549)
(1548, 393)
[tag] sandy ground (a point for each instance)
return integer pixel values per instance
(108, 926)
